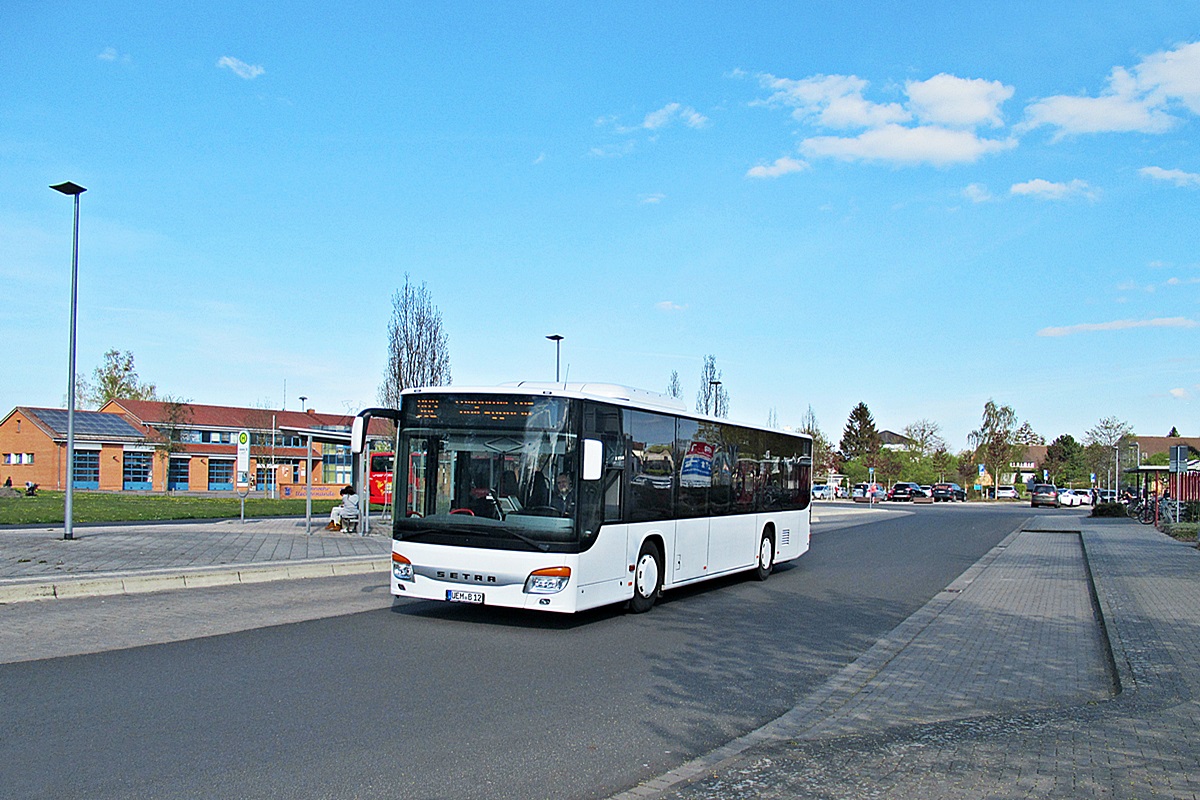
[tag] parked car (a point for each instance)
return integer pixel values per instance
(1007, 493)
(1107, 495)
(923, 494)
(1043, 494)
(903, 490)
(1068, 498)
(1085, 496)
(867, 492)
(948, 492)
(821, 491)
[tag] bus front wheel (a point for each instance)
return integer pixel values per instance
(647, 578)
(766, 557)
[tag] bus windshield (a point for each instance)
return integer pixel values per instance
(493, 471)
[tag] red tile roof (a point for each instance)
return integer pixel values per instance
(153, 412)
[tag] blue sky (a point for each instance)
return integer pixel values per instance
(919, 206)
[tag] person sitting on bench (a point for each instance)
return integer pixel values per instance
(347, 510)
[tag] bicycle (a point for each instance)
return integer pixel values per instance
(1142, 510)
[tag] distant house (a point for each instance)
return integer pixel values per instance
(121, 447)
(890, 440)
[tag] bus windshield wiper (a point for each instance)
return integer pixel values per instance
(520, 536)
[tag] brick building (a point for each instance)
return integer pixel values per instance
(123, 447)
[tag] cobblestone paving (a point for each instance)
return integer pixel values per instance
(1018, 626)
(42, 552)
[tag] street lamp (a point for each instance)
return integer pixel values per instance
(554, 337)
(302, 399)
(74, 190)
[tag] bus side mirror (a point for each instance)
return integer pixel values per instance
(593, 459)
(358, 435)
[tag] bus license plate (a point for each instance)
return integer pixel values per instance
(459, 596)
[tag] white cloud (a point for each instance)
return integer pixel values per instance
(1140, 99)
(1180, 393)
(671, 112)
(669, 307)
(111, 54)
(977, 193)
(1047, 190)
(833, 101)
(947, 109)
(240, 68)
(1119, 325)
(652, 199)
(958, 102)
(928, 144)
(1175, 176)
(781, 166)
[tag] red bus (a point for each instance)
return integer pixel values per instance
(380, 478)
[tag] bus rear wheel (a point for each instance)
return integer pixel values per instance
(647, 579)
(766, 557)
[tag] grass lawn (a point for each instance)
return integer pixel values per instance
(47, 507)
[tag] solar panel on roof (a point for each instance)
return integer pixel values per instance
(88, 423)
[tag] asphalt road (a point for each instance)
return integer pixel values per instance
(425, 700)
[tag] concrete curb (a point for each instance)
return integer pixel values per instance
(110, 584)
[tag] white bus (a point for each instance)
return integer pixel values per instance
(567, 497)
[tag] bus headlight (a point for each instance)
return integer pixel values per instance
(550, 580)
(402, 568)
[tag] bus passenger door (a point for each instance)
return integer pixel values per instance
(691, 550)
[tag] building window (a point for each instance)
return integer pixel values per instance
(338, 463)
(29, 458)
(177, 474)
(220, 475)
(137, 471)
(87, 469)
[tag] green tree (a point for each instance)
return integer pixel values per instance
(1065, 461)
(116, 378)
(995, 441)
(860, 439)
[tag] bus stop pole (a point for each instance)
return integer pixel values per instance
(308, 489)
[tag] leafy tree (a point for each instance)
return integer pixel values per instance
(860, 439)
(1065, 461)
(418, 351)
(712, 397)
(995, 441)
(1174, 432)
(116, 378)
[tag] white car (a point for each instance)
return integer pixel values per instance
(1068, 498)
(1006, 493)
(820, 491)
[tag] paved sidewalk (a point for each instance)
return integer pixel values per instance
(1014, 682)
(36, 563)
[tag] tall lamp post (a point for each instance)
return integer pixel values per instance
(554, 337)
(303, 398)
(74, 190)
(714, 387)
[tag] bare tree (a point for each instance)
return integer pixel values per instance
(712, 397)
(176, 415)
(925, 436)
(673, 387)
(418, 353)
